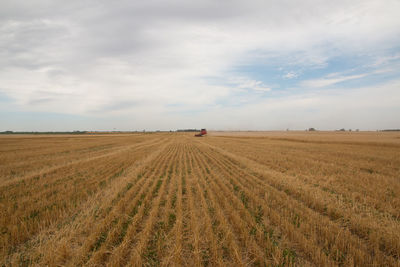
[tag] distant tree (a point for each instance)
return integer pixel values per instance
(311, 129)
(342, 130)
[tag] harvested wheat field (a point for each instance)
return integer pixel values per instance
(228, 199)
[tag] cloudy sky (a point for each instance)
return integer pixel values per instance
(227, 65)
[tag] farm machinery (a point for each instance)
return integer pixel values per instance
(203, 132)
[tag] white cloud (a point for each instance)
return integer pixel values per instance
(245, 83)
(330, 80)
(291, 75)
(334, 78)
(383, 60)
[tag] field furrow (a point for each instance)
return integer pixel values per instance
(121, 253)
(211, 249)
(245, 220)
(193, 250)
(123, 212)
(230, 242)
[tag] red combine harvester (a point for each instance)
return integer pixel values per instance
(202, 133)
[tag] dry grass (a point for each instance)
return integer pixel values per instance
(242, 199)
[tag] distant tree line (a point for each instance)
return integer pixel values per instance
(74, 132)
(187, 130)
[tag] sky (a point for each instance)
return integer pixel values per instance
(220, 65)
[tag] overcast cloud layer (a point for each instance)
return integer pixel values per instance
(227, 65)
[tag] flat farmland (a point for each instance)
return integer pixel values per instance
(228, 199)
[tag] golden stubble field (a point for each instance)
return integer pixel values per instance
(228, 199)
